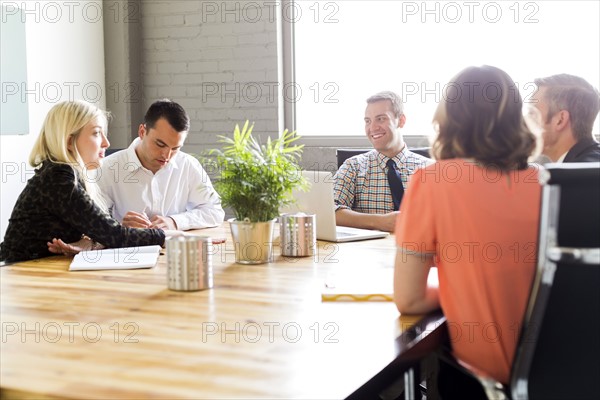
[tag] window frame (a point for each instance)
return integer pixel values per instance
(288, 74)
(288, 112)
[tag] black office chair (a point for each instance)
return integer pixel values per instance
(111, 150)
(423, 151)
(559, 351)
(343, 154)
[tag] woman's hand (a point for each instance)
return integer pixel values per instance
(57, 246)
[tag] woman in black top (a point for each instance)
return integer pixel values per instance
(61, 200)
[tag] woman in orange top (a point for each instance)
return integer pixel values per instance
(473, 214)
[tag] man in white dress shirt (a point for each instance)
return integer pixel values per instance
(153, 183)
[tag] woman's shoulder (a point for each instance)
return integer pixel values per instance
(56, 172)
(448, 172)
(445, 166)
(51, 166)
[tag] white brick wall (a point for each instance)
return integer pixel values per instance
(219, 63)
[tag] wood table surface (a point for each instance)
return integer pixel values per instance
(261, 332)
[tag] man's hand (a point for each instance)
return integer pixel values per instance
(381, 222)
(160, 222)
(136, 220)
(388, 221)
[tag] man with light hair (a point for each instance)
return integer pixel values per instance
(369, 187)
(568, 106)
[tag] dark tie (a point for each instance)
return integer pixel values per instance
(395, 184)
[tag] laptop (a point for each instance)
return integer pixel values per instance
(318, 200)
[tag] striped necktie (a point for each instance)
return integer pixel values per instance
(395, 183)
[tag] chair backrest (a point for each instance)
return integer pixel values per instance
(343, 154)
(559, 350)
(423, 151)
(110, 151)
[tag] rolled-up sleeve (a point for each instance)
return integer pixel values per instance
(344, 187)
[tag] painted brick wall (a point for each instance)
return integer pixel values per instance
(216, 58)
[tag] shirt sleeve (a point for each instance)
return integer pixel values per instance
(344, 186)
(103, 183)
(415, 226)
(203, 207)
(76, 207)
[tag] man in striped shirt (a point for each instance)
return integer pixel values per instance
(362, 192)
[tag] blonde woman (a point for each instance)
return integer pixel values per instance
(60, 203)
(474, 214)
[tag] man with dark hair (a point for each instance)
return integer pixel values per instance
(568, 106)
(154, 184)
(369, 187)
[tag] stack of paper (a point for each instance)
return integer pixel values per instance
(122, 258)
(366, 285)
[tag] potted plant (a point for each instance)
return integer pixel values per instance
(255, 181)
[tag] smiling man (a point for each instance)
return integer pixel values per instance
(153, 183)
(369, 187)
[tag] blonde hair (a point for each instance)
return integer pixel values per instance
(481, 117)
(397, 104)
(62, 126)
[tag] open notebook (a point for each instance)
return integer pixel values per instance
(123, 258)
(318, 200)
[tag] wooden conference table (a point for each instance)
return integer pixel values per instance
(261, 332)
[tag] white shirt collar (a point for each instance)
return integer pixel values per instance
(133, 157)
(562, 158)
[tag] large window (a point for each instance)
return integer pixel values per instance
(346, 50)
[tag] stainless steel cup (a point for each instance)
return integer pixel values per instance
(298, 234)
(189, 263)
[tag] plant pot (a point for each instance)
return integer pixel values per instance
(253, 241)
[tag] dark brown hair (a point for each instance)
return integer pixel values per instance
(171, 111)
(480, 117)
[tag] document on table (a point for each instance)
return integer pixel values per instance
(365, 285)
(121, 258)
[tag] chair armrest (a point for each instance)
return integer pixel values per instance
(573, 255)
(494, 390)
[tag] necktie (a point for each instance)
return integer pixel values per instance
(395, 184)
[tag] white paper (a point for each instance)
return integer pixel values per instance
(122, 258)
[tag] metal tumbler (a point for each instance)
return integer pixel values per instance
(298, 234)
(189, 263)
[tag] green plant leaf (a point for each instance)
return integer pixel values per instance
(256, 180)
